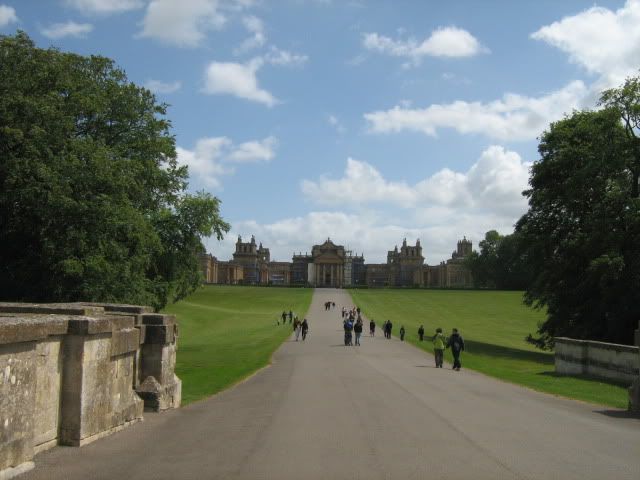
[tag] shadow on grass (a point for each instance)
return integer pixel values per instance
(589, 378)
(490, 350)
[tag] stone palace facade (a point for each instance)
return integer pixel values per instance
(331, 265)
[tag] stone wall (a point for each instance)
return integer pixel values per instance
(609, 361)
(634, 389)
(72, 373)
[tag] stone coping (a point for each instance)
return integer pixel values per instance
(51, 308)
(600, 345)
(15, 327)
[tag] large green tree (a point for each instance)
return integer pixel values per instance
(93, 205)
(500, 263)
(582, 231)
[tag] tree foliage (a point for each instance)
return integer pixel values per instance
(500, 263)
(582, 231)
(93, 205)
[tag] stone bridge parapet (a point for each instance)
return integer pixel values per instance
(73, 373)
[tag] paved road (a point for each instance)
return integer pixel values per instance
(379, 411)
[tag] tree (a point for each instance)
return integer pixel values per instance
(581, 232)
(93, 205)
(500, 263)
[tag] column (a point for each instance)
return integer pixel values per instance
(331, 268)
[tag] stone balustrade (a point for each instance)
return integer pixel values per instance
(73, 373)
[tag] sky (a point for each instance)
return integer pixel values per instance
(364, 121)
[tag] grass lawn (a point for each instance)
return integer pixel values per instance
(493, 325)
(227, 333)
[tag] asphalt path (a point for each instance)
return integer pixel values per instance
(378, 411)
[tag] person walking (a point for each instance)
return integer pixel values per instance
(357, 329)
(284, 317)
(296, 328)
(421, 332)
(305, 329)
(290, 317)
(389, 329)
(402, 332)
(457, 346)
(372, 328)
(348, 328)
(438, 347)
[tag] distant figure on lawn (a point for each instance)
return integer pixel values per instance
(357, 329)
(402, 332)
(290, 316)
(457, 345)
(421, 332)
(388, 329)
(296, 328)
(372, 328)
(305, 329)
(284, 317)
(438, 347)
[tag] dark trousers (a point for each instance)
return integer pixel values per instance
(304, 334)
(456, 359)
(439, 354)
(421, 336)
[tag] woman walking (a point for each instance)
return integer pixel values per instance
(357, 329)
(438, 347)
(305, 328)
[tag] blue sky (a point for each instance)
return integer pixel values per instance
(365, 121)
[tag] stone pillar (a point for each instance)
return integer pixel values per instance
(332, 268)
(161, 388)
(634, 389)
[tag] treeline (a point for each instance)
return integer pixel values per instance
(93, 205)
(576, 251)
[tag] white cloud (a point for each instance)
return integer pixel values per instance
(604, 42)
(158, 86)
(494, 183)
(7, 15)
(238, 79)
(183, 23)
(337, 124)
(214, 157)
(275, 56)
(514, 117)
(105, 6)
(254, 151)
(444, 42)
(67, 29)
(258, 38)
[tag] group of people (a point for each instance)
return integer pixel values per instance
(329, 305)
(301, 328)
(352, 324)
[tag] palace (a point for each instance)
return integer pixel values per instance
(331, 265)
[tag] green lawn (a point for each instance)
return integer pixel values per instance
(227, 333)
(493, 325)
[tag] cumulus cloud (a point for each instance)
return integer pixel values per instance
(514, 117)
(214, 157)
(604, 42)
(494, 183)
(105, 6)
(449, 42)
(67, 29)
(254, 151)
(7, 15)
(158, 86)
(183, 23)
(237, 79)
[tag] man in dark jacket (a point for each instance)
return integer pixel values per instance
(457, 345)
(421, 332)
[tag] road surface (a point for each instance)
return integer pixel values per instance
(379, 411)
